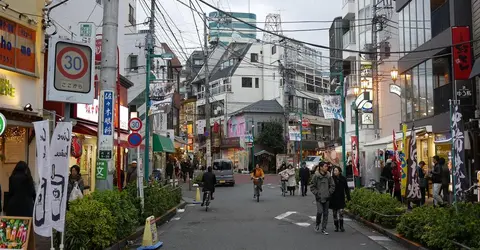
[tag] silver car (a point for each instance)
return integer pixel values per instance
(312, 161)
(223, 170)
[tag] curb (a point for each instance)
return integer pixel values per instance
(120, 245)
(392, 235)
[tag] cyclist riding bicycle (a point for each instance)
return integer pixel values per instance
(209, 180)
(257, 175)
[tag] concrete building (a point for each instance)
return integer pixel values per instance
(224, 29)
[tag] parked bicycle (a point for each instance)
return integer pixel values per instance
(284, 187)
(468, 195)
(377, 186)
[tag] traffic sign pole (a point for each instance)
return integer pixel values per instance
(108, 76)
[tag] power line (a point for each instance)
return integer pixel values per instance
(173, 22)
(327, 47)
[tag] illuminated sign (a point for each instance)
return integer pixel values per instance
(17, 47)
(395, 89)
(6, 89)
(89, 112)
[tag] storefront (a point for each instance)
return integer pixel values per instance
(232, 150)
(21, 89)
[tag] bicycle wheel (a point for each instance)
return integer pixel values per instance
(258, 194)
(207, 202)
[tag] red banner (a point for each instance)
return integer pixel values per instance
(462, 52)
(354, 143)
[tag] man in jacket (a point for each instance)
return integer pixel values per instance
(445, 173)
(132, 172)
(322, 187)
(437, 181)
(304, 175)
(209, 180)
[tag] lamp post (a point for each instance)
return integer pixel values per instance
(362, 97)
(394, 74)
(253, 145)
(149, 57)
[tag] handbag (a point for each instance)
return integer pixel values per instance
(76, 193)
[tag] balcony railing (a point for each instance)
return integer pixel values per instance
(216, 91)
(348, 38)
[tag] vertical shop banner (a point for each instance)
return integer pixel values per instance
(459, 151)
(354, 143)
(294, 133)
(404, 137)
(42, 222)
(59, 160)
(413, 183)
(403, 183)
(332, 107)
(462, 53)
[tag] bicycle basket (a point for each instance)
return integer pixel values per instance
(257, 181)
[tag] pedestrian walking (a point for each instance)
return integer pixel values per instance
(337, 201)
(291, 183)
(75, 183)
(132, 172)
(304, 175)
(21, 192)
(423, 181)
(437, 181)
(322, 187)
(445, 173)
(169, 170)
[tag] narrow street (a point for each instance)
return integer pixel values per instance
(235, 221)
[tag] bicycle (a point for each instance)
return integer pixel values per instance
(377, 186)
(207, 200)
(468, 195)
(258, 183)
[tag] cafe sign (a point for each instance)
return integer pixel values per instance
(89, 112)
(17, 47)
(6, 88)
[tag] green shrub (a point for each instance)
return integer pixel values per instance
(131, 191)
(89, 225)
(159, 199)
(375, 207)
(437, 228)
(198, 178)
(123, 210)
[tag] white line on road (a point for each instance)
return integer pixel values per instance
(176, 218)
(302, 224)
(379, 238)
(285, 215)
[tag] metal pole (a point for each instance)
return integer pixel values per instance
(140, 179)
(357, 150)
(150, 41)
(207, 93)
(376, 110)
(253, 145)
(344, 153)
(108, 74)
(118, 167)
(301, 139)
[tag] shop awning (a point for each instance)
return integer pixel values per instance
(162, 144)
(263, 152)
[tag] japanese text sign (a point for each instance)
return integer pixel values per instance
(17, 47)
(462, 52)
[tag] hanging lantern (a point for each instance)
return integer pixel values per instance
(77, 146)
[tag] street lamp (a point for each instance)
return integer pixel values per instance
(394, 74)
(359, 102)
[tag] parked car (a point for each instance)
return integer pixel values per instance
(312, 161)
(223, 169)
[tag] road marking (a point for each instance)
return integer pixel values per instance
(285, 215)
(379, 238)
(176, 218)
(315, 218)
(302, 224)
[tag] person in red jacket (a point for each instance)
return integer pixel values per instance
(397, 178)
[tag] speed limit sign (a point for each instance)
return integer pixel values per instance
(135, 124)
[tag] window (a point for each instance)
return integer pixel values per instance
(257, 83)
(131, 15)
(99, 2)
(253, 57)
(133, 62)
(246, 82)
(274, 49)
(197, 62)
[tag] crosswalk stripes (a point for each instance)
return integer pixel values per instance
(301, 219)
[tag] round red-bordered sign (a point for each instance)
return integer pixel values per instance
(62, 70)
(135, 124)
(134, 139)
(305, 122)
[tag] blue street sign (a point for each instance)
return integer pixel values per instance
(108, 113)
(134, 139)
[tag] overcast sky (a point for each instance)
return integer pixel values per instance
(296, 10)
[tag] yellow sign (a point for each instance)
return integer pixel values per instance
(150, 236)
(6, 89)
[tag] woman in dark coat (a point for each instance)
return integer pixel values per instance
(21, 192)
(337, 200)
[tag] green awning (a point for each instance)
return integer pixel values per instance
(162, 144)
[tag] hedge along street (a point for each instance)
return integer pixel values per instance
(436, 228)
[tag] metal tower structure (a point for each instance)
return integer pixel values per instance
(273, 23)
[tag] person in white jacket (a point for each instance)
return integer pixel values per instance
(291, 183)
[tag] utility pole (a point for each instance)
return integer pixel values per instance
(150, 45)
(108, 76)
(207, 92)
(376, 110)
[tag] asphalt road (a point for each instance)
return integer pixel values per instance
(235, 222)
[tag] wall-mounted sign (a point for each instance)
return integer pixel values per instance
(89, 112)
(6, 88)
(367, 118)
(17, 47)
(395, 89)
(3, 123)
(367, 107)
